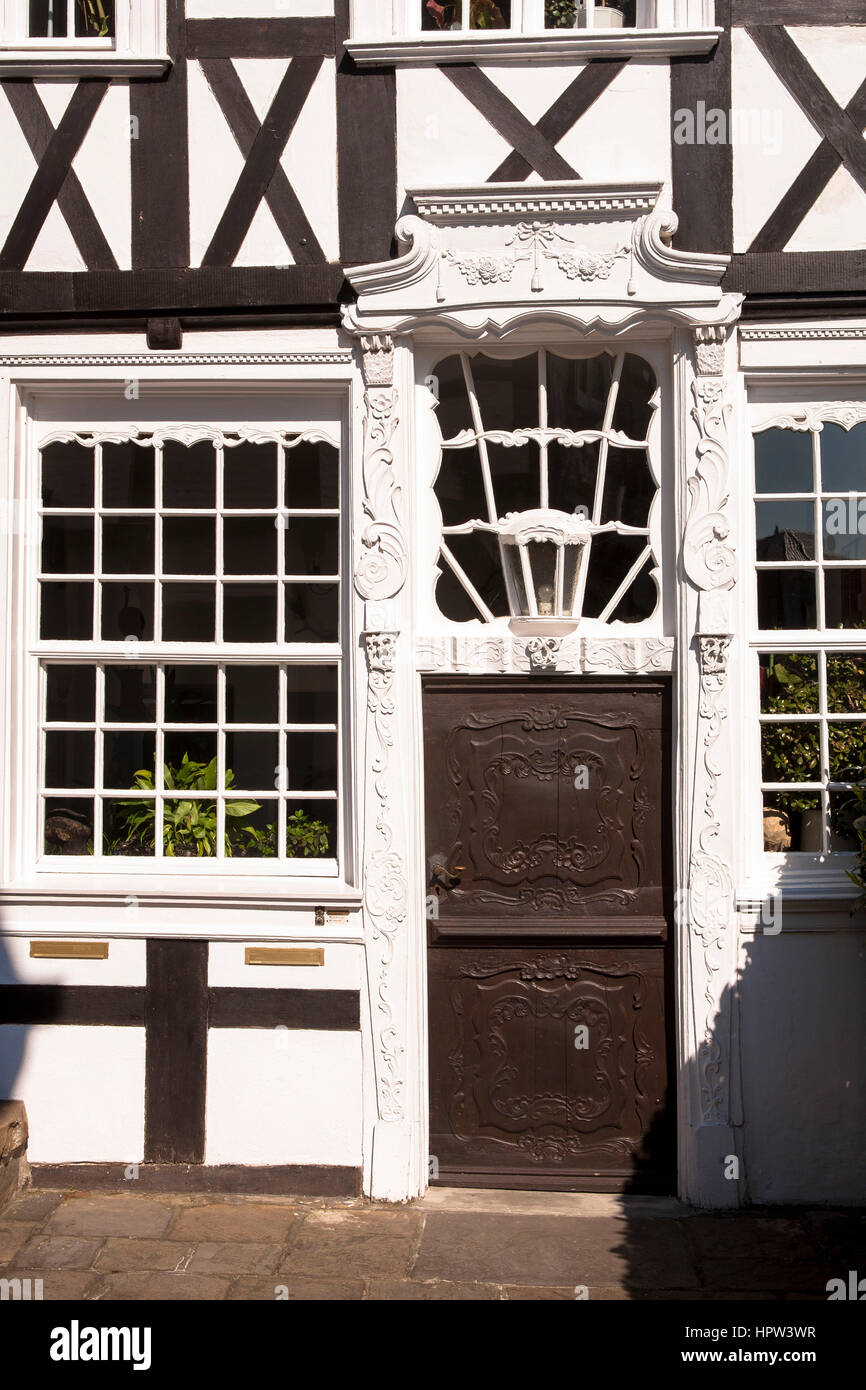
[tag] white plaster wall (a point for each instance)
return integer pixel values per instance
(803, 1031)
(442, 139)
(766, 167)
(83, 1089)
(279, 1096)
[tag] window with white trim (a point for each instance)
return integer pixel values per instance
(810, 650)
(409, 30)
(188, 643)
(87, 37)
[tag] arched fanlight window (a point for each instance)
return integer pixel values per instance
(546, 489)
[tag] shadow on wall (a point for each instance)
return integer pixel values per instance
(781, 1082)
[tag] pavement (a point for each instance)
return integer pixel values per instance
(452, 1244)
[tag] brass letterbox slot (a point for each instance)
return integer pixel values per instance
(284, 955)
(69, 950)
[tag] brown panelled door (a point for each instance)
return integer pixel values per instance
(548, 849)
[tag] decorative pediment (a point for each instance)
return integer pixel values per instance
(596, 255)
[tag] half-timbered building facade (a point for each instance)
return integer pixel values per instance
(434, 548)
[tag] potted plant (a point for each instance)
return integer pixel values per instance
(607, 16)
(190, 823)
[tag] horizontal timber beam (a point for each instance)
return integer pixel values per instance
(169, 292)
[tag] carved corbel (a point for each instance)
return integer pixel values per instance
(709, 340)
(380, 569)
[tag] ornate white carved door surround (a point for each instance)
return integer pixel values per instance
(505, 265)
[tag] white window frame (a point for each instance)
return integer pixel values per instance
(389, 31)
(138, 48)
(26, 872)
(798, 874)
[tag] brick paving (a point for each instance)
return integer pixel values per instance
(456, 1245)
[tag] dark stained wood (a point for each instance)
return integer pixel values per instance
(164, 334)
(279, 195)
(160, 158)
(573, 103)
(816, 102)
(366, 155)
(176, 1053)
(703, 175)
(808, 186)
(106, 1006)
(291, 1179)
(797, 272)
(557, 916)
(764, 308)
(168, 292)
(264, 157)
(513, 1097)
(72, 200)
(796, 12)
(496, 108)
(260, 38)
(335, 1010)
(52, 172)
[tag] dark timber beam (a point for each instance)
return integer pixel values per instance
(260, 38)
(62, 147)
(157, 293)
(558, 120)
(796, 12)
(366, 154)
(159, 150)
(703, 175)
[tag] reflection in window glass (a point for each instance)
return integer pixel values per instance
(552, 410)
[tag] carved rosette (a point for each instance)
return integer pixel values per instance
(710, 350)
(380, 568)
(543, 653)
(385, 882)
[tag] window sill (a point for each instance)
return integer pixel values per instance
(808, 885)
(137, 894)
(513, 48)
(80, 62)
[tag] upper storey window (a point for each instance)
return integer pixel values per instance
(418, 31)
(527, 16)
(82, 38)
(63, 19)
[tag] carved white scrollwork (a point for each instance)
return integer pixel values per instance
(711, 886)
(710, 349)
(385, 884)
(380, 569)
(708, 560)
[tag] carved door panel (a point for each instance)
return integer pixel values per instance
(548, 844)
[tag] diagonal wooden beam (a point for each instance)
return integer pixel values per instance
(524, 138)
(813, 98)
(568, 108)
(808, 186)
(52, 173)
(80, 218)
(261, 165)
(244, 125)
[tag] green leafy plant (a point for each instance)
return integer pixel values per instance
(857, 875)
(190, 823)
(560, 14)
(790, 752)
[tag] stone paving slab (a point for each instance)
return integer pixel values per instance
(249, 1221)
(110, 1216)
(459, 1246)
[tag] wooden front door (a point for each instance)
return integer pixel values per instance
(548, 849)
